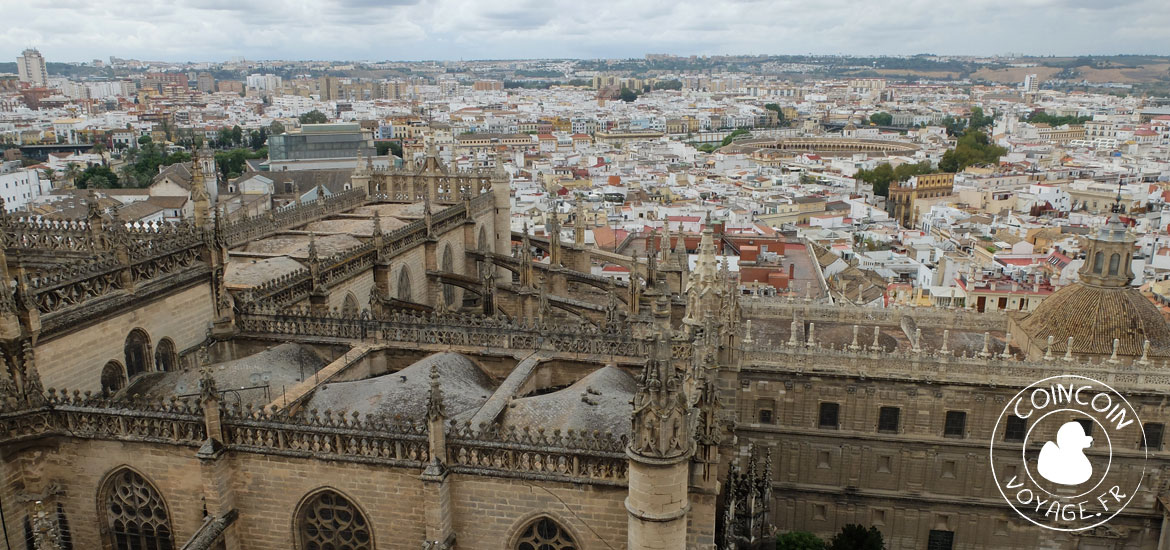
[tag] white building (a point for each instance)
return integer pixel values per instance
(20, 185)
(30, 67)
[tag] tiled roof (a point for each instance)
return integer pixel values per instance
(1094, 316)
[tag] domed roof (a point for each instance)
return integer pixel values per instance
(1094, 316)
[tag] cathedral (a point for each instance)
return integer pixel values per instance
(393, 367)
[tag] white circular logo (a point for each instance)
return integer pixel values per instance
(1052, 452)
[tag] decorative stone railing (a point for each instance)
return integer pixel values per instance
(328, 435)
(941, 318)
(293, 287)
(447, 329)
(940, 366)
(238, 232)
(579, 457)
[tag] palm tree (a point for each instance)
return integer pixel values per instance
(48, 174)
(71, 173)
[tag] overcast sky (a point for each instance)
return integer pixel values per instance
(213, 30)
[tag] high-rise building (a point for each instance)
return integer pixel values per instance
(1031, 84)
(31, 68)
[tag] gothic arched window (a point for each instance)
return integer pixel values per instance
(165, 358)
(137, 349)
(350, 307)
(136, 517)
(484, 244)
(1098, 262)
(404, 285)
(545, 534)
(329, 521)
(113, 377)
(1114, 263)
(448, 266)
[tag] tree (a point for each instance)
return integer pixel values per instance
(799, 540)
(979, 120)
(856, 537)
(882, 119)
(392, 147)
(48, 174)
(276, 128)
(97, 177)
(973, 148)
(731, 137)
(143, 140)
(72, 170)
(237, 135)
(668, 85)
(954, 126)
(879, 178)
(780, 120)
(313, 117)
(628, 95)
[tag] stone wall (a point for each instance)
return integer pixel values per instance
(75, 361)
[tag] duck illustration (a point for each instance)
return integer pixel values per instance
(1064, 462)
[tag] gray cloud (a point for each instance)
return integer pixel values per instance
(453, 29)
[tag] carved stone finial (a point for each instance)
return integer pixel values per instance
(435, 408)
(1113, 358)
(946, 350)
(986, 346)
(1068, 350)
(792, 339)
(877, 330)
(207, 387)
(747, 332)
(917, 348)
(1048, 349)
(1145, 358)
(812, 337)
(854, 346)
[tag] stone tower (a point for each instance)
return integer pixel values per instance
(202, 201)
(661, 445)
(206, 161)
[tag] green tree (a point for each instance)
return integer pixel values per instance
(97, 177)
(972, 149)
(856, 537)
(313, 117)
(668, 85)
(237, 135)
(232, 163)
(979, 120)
(628, 95)
(780, 120)
(275, 128)
(799, 540)
(954, 126)
(1040, 117)
(143, 140)
(879, 178)
(392, 147)
(882, 119)
(72, 171)
(731, 137)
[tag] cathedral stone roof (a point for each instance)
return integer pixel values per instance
(598, 402)
(1094, 316)
(404, 394)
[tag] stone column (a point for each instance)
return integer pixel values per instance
(216, 472)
